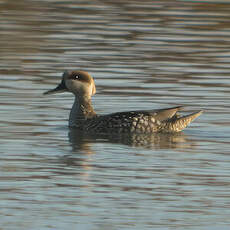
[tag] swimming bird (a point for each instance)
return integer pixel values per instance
(83, 116)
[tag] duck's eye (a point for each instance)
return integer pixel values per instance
(76, 77)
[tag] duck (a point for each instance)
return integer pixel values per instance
(83, 117)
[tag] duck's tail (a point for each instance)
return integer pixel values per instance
(177, 124)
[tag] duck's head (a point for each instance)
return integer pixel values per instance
(80, 83)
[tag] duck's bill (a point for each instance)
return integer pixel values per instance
(59, 89)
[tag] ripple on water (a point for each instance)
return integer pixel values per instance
(142, 55)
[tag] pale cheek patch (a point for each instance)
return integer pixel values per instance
(74, 86)
(80, 88)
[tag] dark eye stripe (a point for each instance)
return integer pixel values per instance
(78, 76)
(75, 77)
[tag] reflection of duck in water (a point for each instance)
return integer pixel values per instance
(81, 140)
(83, 117)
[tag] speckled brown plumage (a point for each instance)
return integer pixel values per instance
(83, 116)
(138, 122)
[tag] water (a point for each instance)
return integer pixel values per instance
(148, 54)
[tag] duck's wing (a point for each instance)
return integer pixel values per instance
(157, 114)
(148, 121)
(165, 114)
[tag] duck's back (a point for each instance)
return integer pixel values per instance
(164, 120)
(123, 122)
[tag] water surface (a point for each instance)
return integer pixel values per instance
(143, 55)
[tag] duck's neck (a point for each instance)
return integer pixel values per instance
(82, 110)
